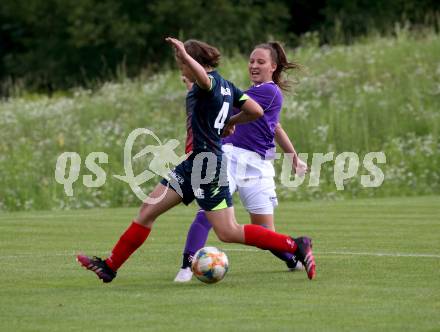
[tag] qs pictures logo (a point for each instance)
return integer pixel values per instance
(163, 160)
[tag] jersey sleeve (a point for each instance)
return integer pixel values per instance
(198, 89)
(239, 96)
(267, 95)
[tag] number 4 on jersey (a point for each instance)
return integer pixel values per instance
(221, 117)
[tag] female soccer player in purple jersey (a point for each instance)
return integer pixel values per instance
(211, 100)
(249, 152)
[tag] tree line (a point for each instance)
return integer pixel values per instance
(56, 44)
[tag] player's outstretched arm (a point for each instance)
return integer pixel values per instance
(196, 68)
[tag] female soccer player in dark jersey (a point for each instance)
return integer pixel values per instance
(211, 98)
(252, 150)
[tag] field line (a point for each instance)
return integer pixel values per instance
(317, 253)
(349, 253)
(378, 254)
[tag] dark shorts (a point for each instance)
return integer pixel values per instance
(188, 177)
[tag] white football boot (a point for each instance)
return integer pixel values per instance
(184, 275)
(298, 267)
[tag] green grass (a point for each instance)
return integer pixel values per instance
(379, 94)
(43, 288)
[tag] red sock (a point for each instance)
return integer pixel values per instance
(132, 239)
(263, 238)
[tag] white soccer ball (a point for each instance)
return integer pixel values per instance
(210, 265)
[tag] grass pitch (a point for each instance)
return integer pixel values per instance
(378, 266)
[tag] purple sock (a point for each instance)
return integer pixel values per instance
(196, 238)
(284, 256)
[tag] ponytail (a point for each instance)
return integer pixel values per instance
(283, 65)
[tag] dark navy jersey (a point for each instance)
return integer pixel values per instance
(208, 111)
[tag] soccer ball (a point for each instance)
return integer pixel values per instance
(210, 265)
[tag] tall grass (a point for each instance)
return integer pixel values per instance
(381, 94)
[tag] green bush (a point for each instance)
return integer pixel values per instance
(381, 94)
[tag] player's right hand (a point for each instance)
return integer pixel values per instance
(228, 130)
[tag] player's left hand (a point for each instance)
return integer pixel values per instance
(301, 168)
(178, 46)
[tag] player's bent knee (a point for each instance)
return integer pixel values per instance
(226, 236)
(146, 216)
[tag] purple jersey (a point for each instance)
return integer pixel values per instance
(258, 135)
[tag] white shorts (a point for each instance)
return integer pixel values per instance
(253, 178)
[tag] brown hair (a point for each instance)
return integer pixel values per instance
(279, 57)
(203, 53)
